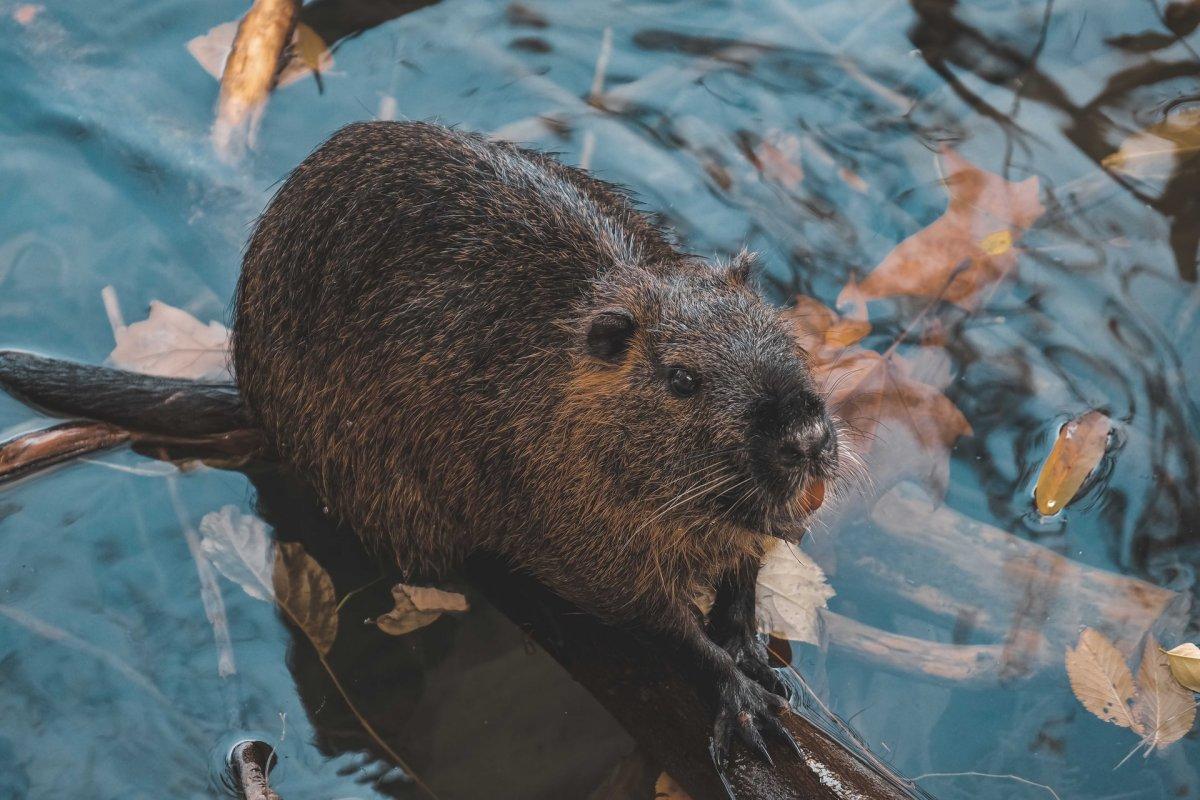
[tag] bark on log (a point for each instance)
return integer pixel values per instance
(44, 448)
(651, 694)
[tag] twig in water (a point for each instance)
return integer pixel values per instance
(250, 765)
(1016, 778)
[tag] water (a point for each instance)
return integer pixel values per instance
(108, 665)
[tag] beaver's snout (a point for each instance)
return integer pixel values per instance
(806, 444)
(795, 440)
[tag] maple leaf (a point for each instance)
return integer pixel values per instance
(965, 250)
(898, 422)
(172, 343)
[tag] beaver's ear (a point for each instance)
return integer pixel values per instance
(609, 332)
(741, 268)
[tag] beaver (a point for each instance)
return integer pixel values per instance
(468, 346)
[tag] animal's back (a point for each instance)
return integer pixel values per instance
(399, 321)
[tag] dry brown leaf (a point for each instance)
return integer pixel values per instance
(965, 250)
(1076, 452)
(791, 588)
(665, 788)
(1101, 679)
(418, 606)
(250, 73)
(1164, 709)
(1153, 153)
(304, 592)
(897, 422)
(780, 161)
(241, 549)
(1185, 665)
(172, 343)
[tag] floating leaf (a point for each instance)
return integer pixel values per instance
(309, 53)
(1164, 710)
(968, 248)
(1101, 679)
(1185, 665)
(1153, 153)
(1080, 446)
(241, 548)
(899, 423)
(665, 788)
(172, 343)
(780, 161)
(418, 606)
(791, 589)
(304, 591)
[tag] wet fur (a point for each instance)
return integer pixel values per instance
(409, 333)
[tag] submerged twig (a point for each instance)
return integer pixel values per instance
(250, 765)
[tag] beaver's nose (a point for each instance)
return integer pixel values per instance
(804, 443)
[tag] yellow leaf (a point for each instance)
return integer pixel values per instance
(304, 592)
(665, 788)
(1101, 679)
(310, 47)
(997, 244)
(1152, 153)
(1080, 446)
(1185, 665)
(1163, 708)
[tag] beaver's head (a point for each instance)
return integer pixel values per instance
(701, 403)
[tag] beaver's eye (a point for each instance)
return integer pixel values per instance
(683, 382)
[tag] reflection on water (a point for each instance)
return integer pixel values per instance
(804, 130)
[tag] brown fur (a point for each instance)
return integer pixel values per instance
(411, 333)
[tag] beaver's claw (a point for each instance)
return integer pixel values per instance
(754, 662)
(751, 712)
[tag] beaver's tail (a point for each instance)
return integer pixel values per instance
(135, 402)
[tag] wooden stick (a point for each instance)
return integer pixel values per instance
(45, 448)
(970, 665)
(250, 765)
(42, 449)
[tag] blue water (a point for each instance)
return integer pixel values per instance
(109, 683)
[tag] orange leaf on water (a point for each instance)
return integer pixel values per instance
(1080, 446)
(964, 251)
(900, 424)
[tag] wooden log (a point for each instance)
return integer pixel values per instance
(969, 665)
(651, 693)
(1032, 600)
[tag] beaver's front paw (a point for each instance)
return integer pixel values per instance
(753, 660)
(748, 710)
